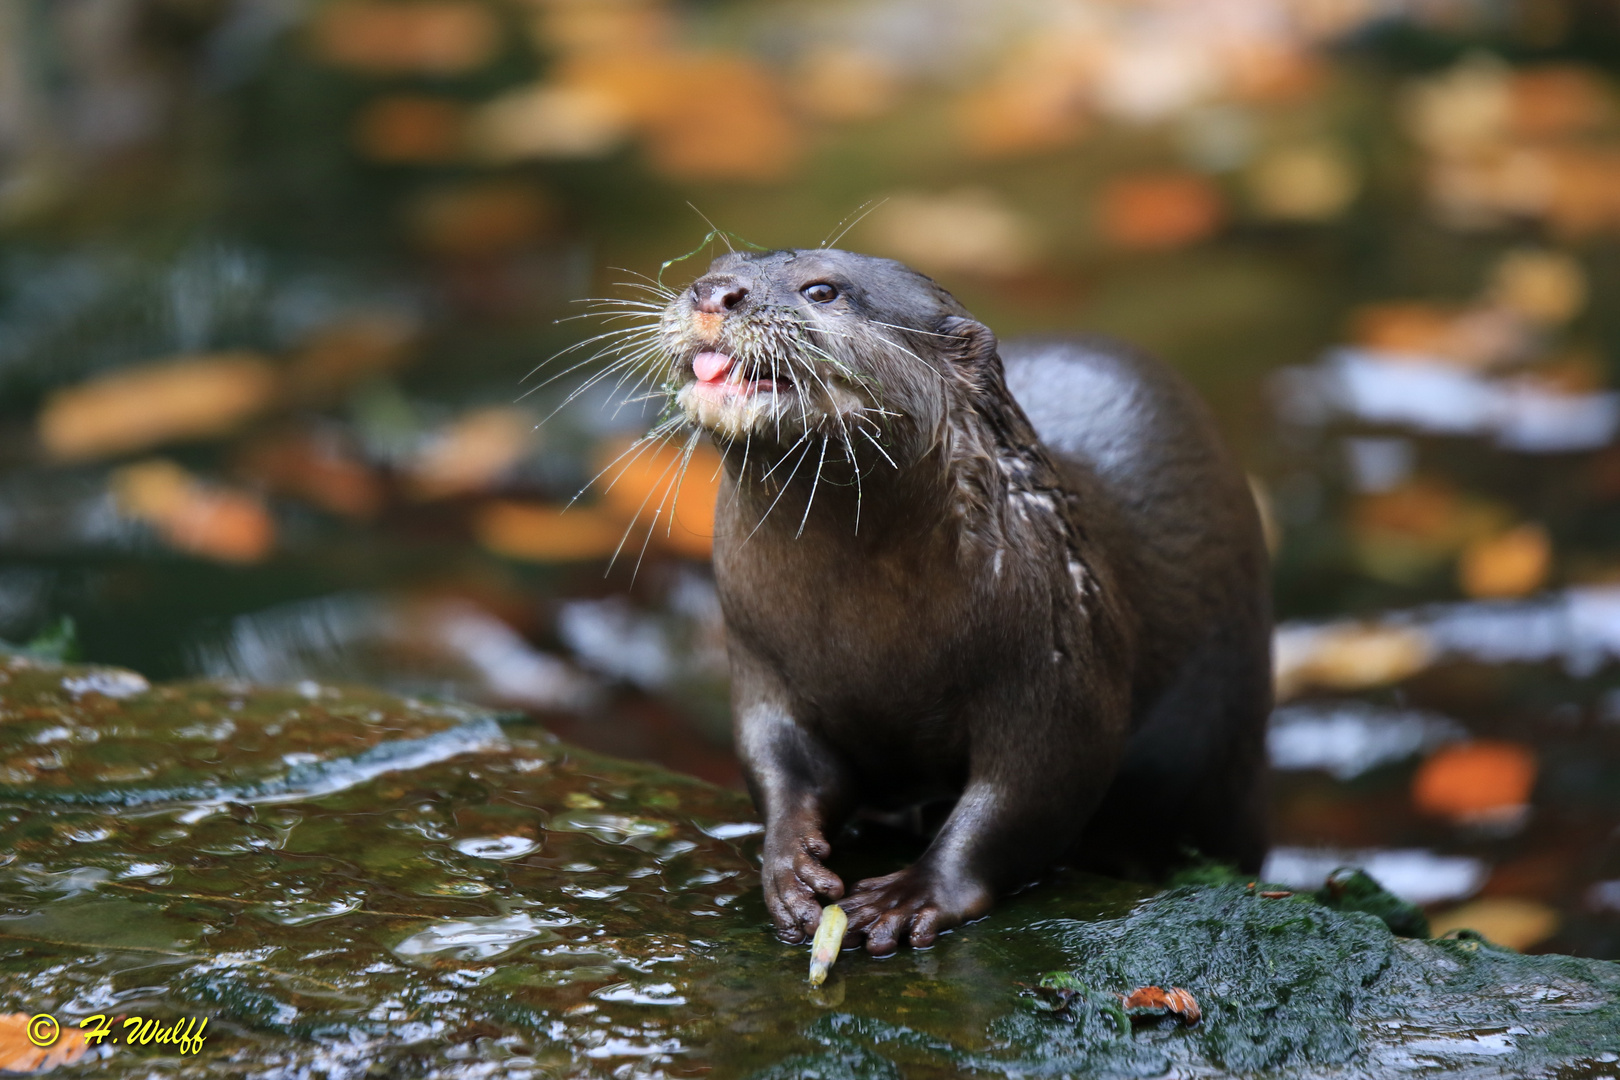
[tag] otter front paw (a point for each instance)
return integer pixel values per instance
(794, 877)
(913, 906)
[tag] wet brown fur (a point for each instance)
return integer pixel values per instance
(1030, 581)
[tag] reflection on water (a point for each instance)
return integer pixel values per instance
(1414, 875)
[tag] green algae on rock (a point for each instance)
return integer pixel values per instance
(420, 903)
(1288, 988)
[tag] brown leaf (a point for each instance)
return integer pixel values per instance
(434, 37)
(522, 530)
(136, 407)
(1150, 1001)
(1159, 210)
(18, 1054)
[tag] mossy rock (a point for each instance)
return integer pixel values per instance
(343, 885)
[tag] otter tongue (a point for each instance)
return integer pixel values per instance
(711, 366)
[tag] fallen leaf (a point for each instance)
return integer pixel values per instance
(429, 37)
(410, 129)
(1159, 210)
(545, 533)
(480, 218)
(752, 138)
(1306, 182)
(966, 231)
(1402, 534)
(549, 121)
(1403, 327)
(1557, 101)
(1480, 781)
(1516, 923)
(1584, 199)
(590, 27)
(844, 84)
(193, 516)
(350, 350)
(18, 1054)
(1547, 287)
(472, 453)
(1151, 1001)
(315, 469)
(1511, 564)
(1355, 656)
(138, 407)
(1277, 894)
(1266, 69)
(1039, 99)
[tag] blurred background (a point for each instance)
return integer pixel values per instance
(275, 276)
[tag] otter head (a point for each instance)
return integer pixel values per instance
(777, 346)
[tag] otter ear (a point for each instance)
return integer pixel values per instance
(974, 345)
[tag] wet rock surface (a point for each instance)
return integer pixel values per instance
(350, 884)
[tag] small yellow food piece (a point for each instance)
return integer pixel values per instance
(829, 936)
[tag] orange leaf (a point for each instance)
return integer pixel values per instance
(1515, 563)
(1156, 1001)
(547, 533)
(1158, 211)
(1477, 780)
(18, 1054)
(141, 406)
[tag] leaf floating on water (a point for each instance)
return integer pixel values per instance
(1151, 1001)
(829, 936)
(19, 1054)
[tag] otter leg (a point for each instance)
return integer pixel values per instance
(1028, 795)
(801, 788)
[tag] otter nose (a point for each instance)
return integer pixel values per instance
(716, 295)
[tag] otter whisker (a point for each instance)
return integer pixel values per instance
(815, 482)
(648, 282)
(849, 452)
(629, 362)
(628, 334)
(803, 441)
(779, 462)
(910, 329)
(659, 432)
(624, 302)
(672, 495)
(908, 352)
(630, 528)
(878, 446)
(742, 478)
(859, 214)
(680, 478)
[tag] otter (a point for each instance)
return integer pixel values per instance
(1025, 580)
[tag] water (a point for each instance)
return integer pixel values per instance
(399, 897)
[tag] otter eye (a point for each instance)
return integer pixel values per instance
(819, 293)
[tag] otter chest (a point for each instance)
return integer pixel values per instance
(866, 635)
